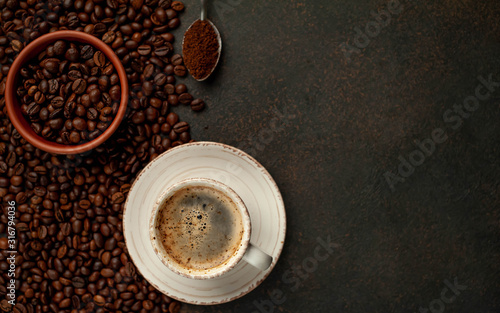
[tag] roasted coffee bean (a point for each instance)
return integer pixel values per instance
(118, 197)
(144, 50)
(115, 93)
(87, 52)
(149, 70)
(197, 105)
(174, 23)
(99, 28)
(151, 114)
(95, 71)
(79, 123)
(162, 51)
(57, 102)
(176, 59)
(55, 123)
(11, 159)
(52, 66)
(84, 204)
(72, 54)
(69, 108)
(155, 103)
(99, 59)
(74, 74)
(52, 274)
(180, 89)
(172, 118)
(103, 83)
(147, 88)
(173, 99)
(138, 117)
(180, 70)
(60, 47)
(16, 180)
(39, 97)
(130, 269)
(174, 307)
(44, 86)
(55, 114)
(78, 282)
(181, 127)
(109, 37)
(20, 308)
(32, 90)
(185, 137)
(159, 16)
(169, 89)
(74, 137)
(107, 273)
(61, 252)
(79, 86)
(3, 167)
(160, 79)
(79, 111)
(178, 6)
(185, 98)
(92, 113)
(95, 96)
(33, 109)
(53, 86)
(75, 301)
(165, 4)
(99, 300)
(110, 244)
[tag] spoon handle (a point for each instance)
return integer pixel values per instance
(203, 10)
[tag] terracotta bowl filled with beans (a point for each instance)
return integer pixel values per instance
(66, 92)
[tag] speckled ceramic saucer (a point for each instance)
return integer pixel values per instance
(230, 166)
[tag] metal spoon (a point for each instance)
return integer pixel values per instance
(203, 17)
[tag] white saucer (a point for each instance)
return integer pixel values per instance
(230, 166)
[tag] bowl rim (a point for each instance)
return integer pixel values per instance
(12, 104)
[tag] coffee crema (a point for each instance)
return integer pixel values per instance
(199, 227)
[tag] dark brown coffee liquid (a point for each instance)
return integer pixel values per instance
(199, 227)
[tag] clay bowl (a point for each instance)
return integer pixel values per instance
(12, 102)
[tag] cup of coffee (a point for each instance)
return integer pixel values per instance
(200, 229)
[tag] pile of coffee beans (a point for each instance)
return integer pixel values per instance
(70, 93)
(71, 255)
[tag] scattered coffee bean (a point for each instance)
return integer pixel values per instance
(180, 70)
(197, 105)
(185, 98)
(178, 6)
(176, 59)
(181, 127)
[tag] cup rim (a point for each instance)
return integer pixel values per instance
(233, 260)
(12, 103)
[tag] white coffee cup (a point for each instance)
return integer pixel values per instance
(200, 229)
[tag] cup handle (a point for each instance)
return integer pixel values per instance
(257, 258)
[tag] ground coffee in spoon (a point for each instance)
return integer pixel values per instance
(200, 49)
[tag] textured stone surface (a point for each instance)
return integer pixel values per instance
(346, 124)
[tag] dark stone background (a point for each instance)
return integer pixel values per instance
(345, 125)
